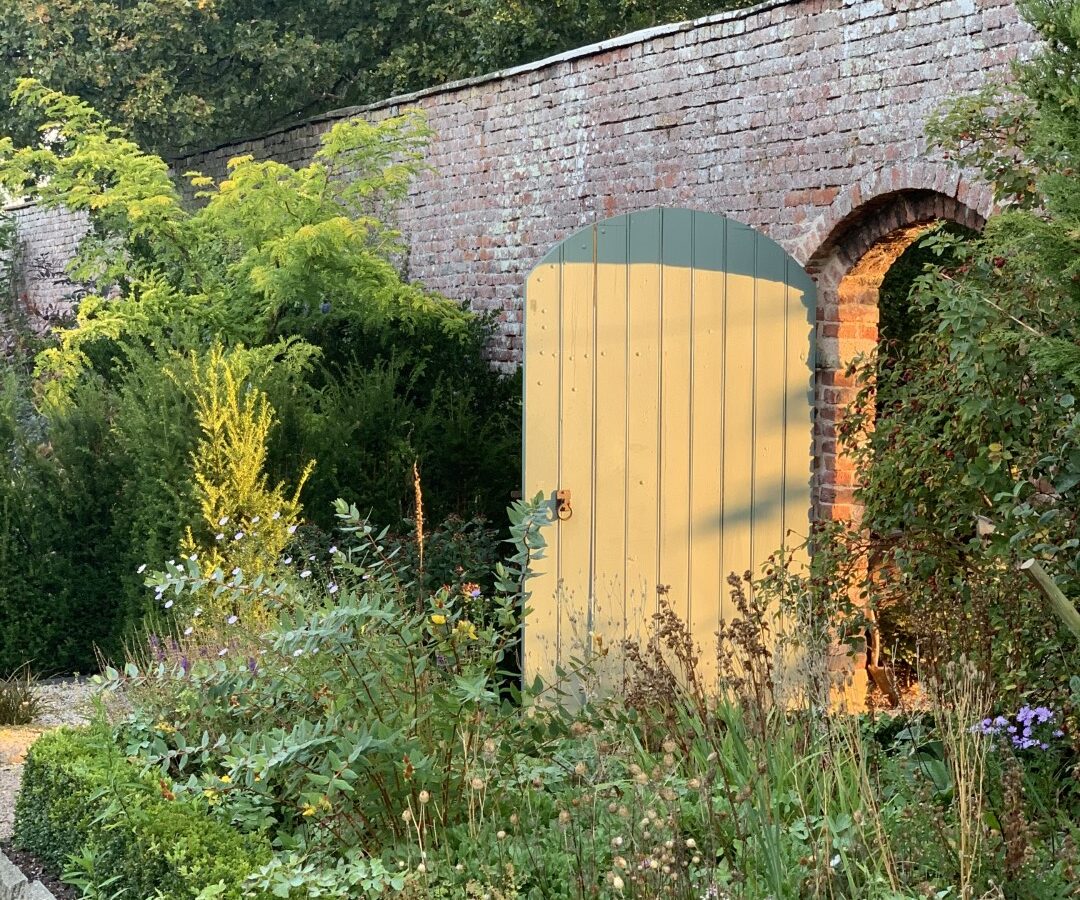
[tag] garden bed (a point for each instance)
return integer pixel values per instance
(64, 701)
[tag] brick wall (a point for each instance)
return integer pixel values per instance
(803, 118)
(787, 117)
(45, 243)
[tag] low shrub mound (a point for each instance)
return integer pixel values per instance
(84, 807)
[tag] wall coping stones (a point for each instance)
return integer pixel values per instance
(14, 886)
(449, 87)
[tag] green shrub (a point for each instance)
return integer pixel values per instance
(85, 809)
(365, 373)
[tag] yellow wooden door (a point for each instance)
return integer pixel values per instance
(668, 363)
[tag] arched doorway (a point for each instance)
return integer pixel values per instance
(668, 406)
(849, 269)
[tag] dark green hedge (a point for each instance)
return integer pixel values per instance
(81, 796)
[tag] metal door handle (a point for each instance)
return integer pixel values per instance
(562, 508)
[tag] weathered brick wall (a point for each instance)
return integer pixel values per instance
(788, 117)
(803, 118)
(45, 243)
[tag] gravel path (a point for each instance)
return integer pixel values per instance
(63, 702)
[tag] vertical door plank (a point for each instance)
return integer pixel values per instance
(643, 402)
(738, 453)
(676, 390)
(707, 436)
(576, 458)
(609, 470)
(770, 388)
(541, 454)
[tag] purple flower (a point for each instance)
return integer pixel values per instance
(253, 665)
(185, 666)
(1026, 730)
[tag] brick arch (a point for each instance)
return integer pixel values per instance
(849, 264)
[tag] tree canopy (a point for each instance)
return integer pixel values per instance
(186, 74)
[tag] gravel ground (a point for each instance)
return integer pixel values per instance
(64, 701)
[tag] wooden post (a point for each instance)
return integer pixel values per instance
(1058, 601)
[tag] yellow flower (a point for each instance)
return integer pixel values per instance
(438, 620)
(308, 810)
(466, 628)
(226, 779)
(164, 727)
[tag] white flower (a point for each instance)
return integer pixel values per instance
(194, 557)
(239, 536)
(223, 651)
(276, 516)
(219, 536)
(197, 613)
(332, 589)
(835, 861)
(287, 560)
(188, 630)
(333, 550)
(236, 571)
(224, 520)
(292, 529)
(141, 569)
(232, 620)
(168, 604)
(298, 653)
(256, 520)
(306, 573)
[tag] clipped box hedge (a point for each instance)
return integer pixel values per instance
(81, 796)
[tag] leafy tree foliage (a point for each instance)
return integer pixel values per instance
(191, 74)
(974, 462)
(288, 275)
